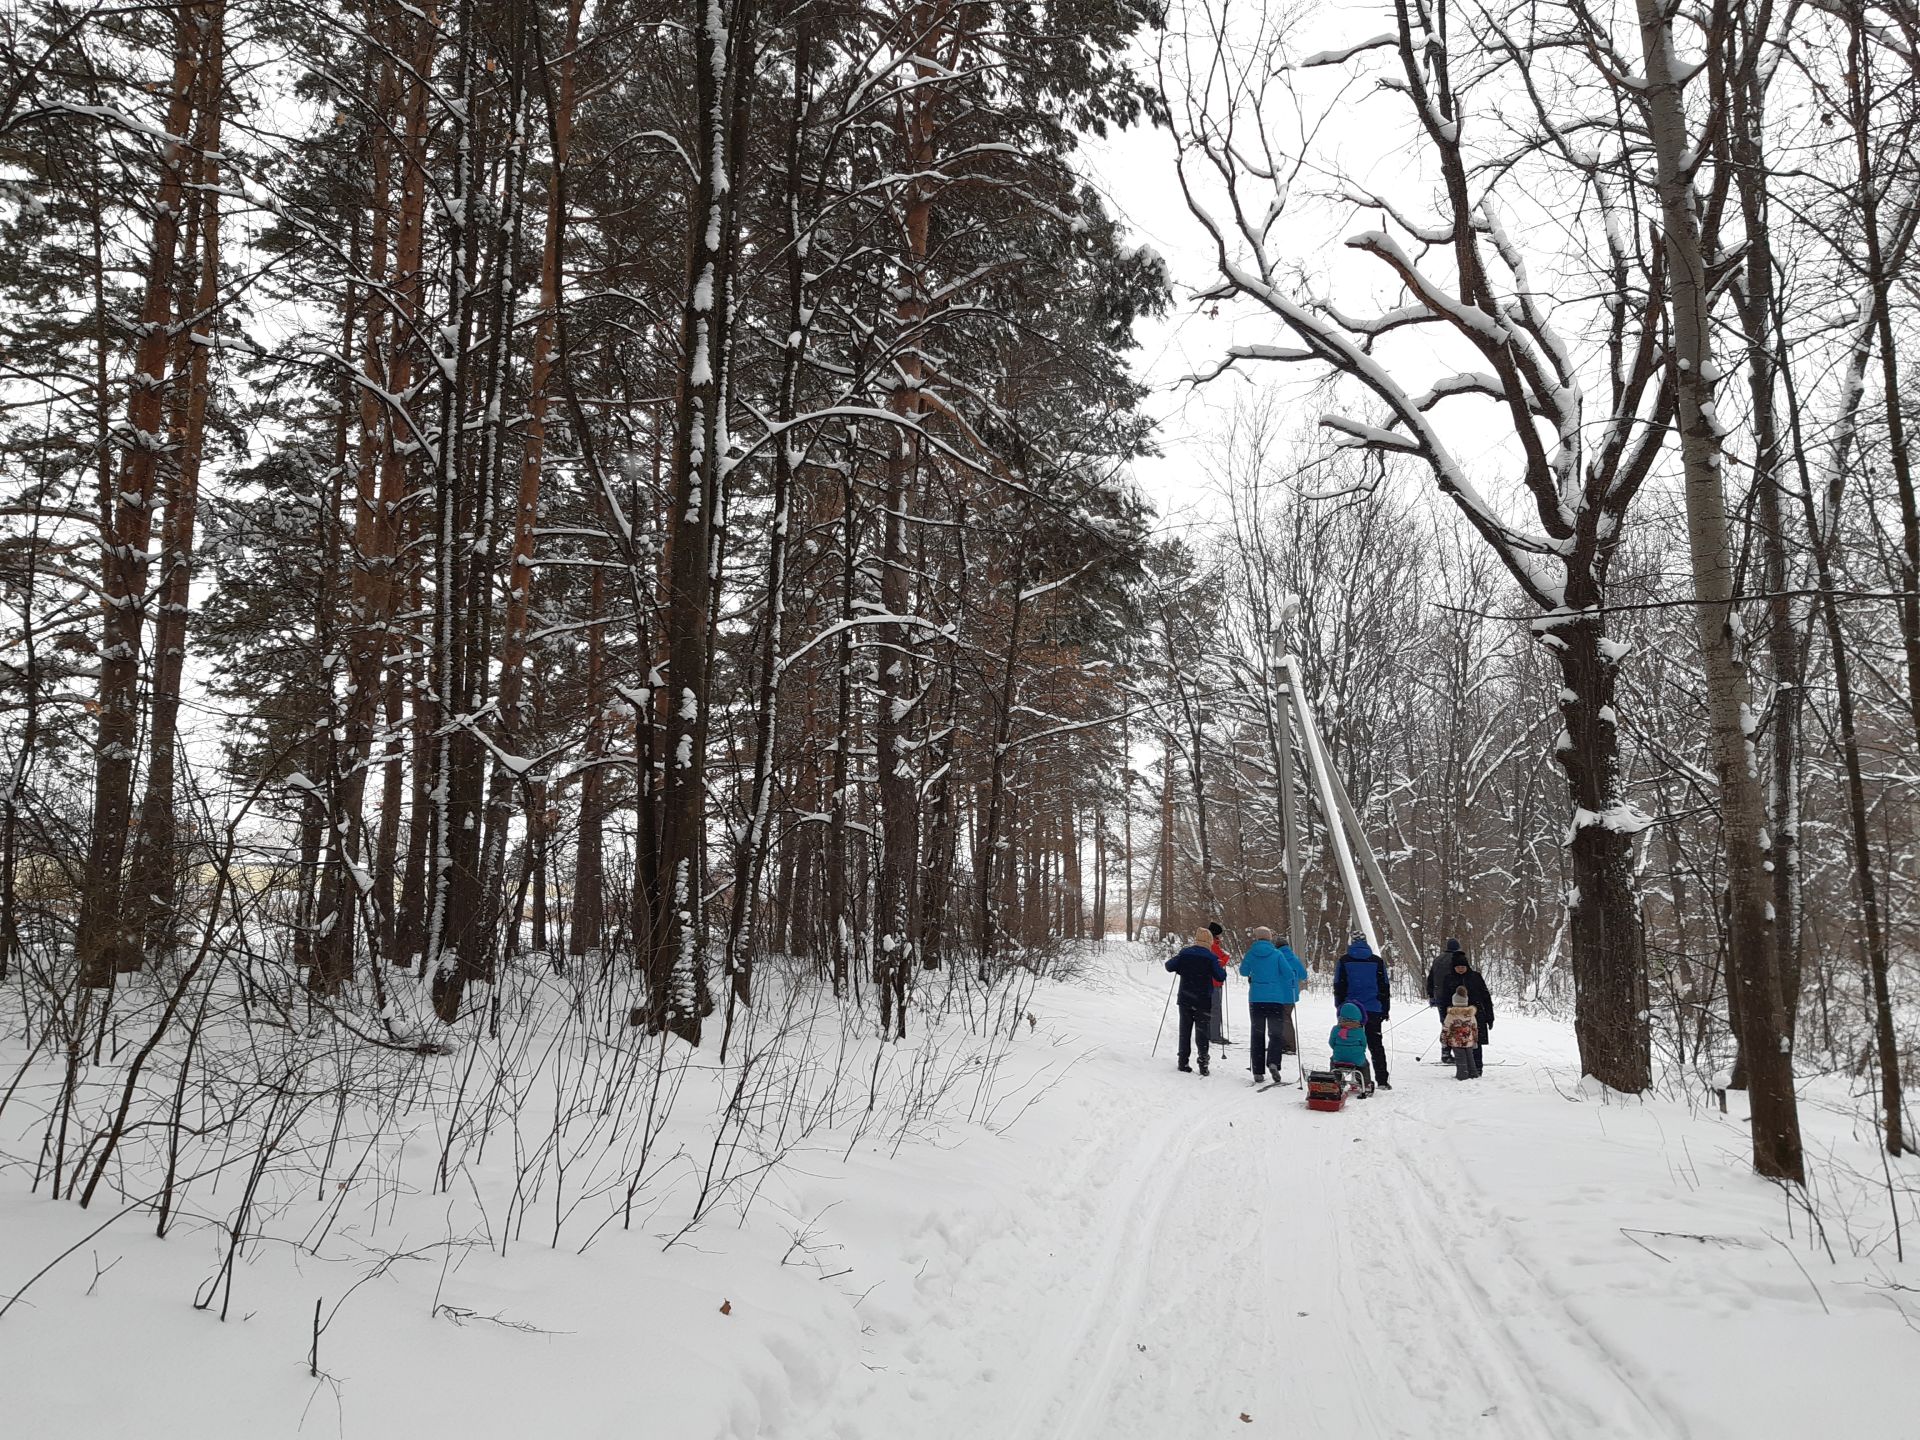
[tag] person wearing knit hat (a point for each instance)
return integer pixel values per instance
(1200, 971)
(1470, 998)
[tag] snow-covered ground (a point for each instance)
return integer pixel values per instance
(1085, 1244)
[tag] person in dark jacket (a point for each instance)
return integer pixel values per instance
(1462, 976)
(1199, 970)
(1361, 977)
(1440, 988)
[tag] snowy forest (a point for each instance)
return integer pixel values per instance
(599, 602)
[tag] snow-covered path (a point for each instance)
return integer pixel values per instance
(1069, 1241)
(1188, 1257)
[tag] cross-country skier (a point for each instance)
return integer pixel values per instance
(1274, 975)
(1361, 976)
(1199, 970)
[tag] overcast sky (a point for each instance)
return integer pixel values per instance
(1135, 169)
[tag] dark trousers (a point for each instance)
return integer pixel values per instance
(1269, 1034)
(1193, 1027)
(1377, 1044)
(1469, 1063)
(1217, 1022)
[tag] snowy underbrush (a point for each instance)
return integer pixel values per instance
(307, 1172)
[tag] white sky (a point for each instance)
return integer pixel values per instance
(1135, 170)
(1370, 137)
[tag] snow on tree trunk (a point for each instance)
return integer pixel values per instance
(1766, 1042)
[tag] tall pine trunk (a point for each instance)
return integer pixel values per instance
(393, 320)
(676, 971)
(108, 940)
(154, 879)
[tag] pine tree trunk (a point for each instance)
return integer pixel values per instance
(898, 696)
(458, 951)
(839, 924)
(1099, 925)
(389, 364)
(513, 736)
(108, 940)
(676, 974)
(988, 867)
(1126, 824)
(587, 920)
(750, 855)
(154, 881)
(386, 855)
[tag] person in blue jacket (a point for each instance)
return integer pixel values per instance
(1361, 977)
(1199, 970)
(1274, 975)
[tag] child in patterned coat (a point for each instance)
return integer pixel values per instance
(1460, 1033)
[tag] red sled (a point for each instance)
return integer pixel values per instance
(1325, 1091)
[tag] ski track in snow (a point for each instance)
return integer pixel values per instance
(1210, 1250)
(1143, 1254)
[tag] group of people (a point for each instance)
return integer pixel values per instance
(1362, 995)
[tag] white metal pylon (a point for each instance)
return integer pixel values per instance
(1343, 826)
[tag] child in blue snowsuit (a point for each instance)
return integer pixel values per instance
(1348, 1040)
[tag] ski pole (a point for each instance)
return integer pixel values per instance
(1163, 1017)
